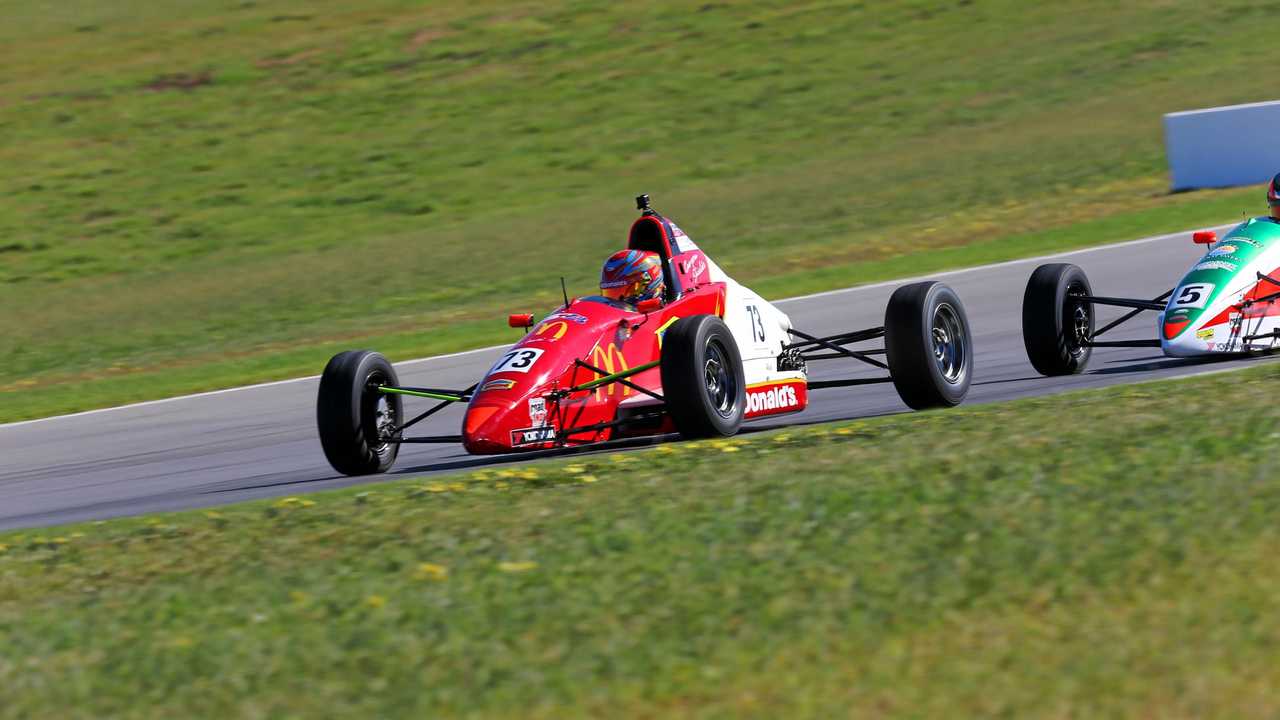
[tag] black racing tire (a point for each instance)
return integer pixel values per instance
(702, 378)
(348, 412)
(1054, 326)
(928, 345)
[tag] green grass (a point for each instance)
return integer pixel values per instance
(216, 192)
(1023, 560)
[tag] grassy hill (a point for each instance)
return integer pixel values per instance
(997, 570)
(211, 192)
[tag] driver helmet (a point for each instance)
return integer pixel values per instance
(1273, 196)
(631, 276)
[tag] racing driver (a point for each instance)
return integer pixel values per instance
(631, 276)
(1273, 197)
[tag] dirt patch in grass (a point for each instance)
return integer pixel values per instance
(180, 81)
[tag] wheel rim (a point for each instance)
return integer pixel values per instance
(949, 343)
(379, 412)
(1078, 320)
(720, 381)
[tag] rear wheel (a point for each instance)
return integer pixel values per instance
(353, 416)
(1056, 324)
(928, 345)
(702, 378)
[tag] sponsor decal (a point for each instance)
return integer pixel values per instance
(500, 384)
(682, 242)
(1221, 250)
(611, 360)
(1191, 295)
(1243, 240)
(573, 317)
(694, 268)
(519, 360)
(775, 398)
(548, 331)
(537, 411)
(533, 435)
(1204, 333)
(1215, 265)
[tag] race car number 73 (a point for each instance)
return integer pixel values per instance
(520, 360)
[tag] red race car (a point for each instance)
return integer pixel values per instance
(700, 358)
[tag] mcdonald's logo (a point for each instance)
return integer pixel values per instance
(611, 360)
(561, 328)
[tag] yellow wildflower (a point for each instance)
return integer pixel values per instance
(729, 448)
(436, 487)
(844, 431)
(375, 601)
(517, 567)
(3, 547)
(60, 541)
(457, 487)
(299, 597)
(587, 478)
(574, 469)
(432, 571)
(506, 473)
(781, 438)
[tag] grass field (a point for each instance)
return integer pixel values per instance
(207, 193)
(1022, 561)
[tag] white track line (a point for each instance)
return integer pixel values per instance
(827, 293)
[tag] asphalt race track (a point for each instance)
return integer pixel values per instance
(260, 441)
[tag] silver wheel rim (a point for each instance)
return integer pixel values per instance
(1078, 320)
(720, 381)
(948, 343)
(384, 416)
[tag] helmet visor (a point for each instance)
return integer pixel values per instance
(623, 291)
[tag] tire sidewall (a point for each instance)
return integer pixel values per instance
(938, 295)
(683, 361)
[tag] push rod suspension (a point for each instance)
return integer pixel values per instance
(838, 339)
(427, 439)
(430, 393)
(618, 377)
(1132, 314)
(843, 351)
(834, 356)
(1122, 302)
(431, 411)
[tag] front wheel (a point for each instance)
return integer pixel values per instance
(928, 345)
(353, 417)
(702, 379)
(1056, 324)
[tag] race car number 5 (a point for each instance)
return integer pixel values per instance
(1193, 295)
(520, 361)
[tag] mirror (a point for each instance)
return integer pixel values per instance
(520, 320)
(648, 306)
(1204, 237)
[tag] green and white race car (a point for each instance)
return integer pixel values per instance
(1227, 303)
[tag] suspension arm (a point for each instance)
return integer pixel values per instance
(843, 351)
(1132, 314)
(430, 393)
(1122, 302)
